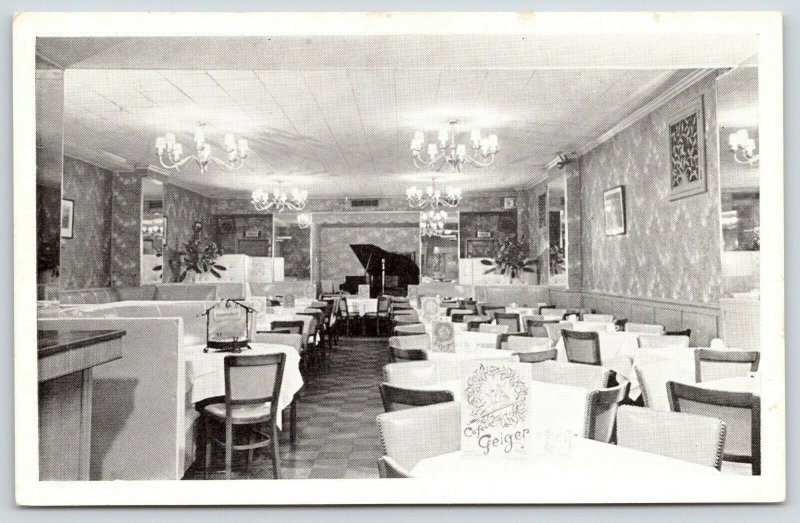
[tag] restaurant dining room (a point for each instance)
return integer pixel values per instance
(399, 256)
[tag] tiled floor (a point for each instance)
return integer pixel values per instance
(337, 434)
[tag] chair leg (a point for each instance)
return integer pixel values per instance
(276, 462)
(250, 452)
(207, 446)
(228, 450)
(293, 423)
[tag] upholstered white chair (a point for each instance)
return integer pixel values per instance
(663, 342)
(410, 373)
(587, 376)
(653, 378)
(698, 439)
(495, 329)
(527, 344)
(720, 364)
(604, 318)
(601, 411)
(411, 435)
(644, 328)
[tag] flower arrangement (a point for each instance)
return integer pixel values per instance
(196, 258)
(512, 258)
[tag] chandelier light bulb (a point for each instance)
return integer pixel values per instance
(170, 152)
(199, 136)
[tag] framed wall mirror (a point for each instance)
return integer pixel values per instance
(557, 230)
(439, 250)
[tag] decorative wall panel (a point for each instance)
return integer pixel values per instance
(126, 229)
(336, 259)
(85, 258)
(672, 248)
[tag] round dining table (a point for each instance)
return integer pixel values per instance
(580, 457)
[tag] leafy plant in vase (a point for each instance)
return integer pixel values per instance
(196, 261)
(511, 259)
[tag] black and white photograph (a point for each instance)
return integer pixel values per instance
(416, 256)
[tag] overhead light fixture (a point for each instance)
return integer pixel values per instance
(280, 200)
(433, 197)
(445, 150)
(431, 223)
(743, 147)
(170, 152)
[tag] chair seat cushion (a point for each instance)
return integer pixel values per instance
(240, 413)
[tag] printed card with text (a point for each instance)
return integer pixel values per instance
(430, 308)
(443, 337)
(227, 323)
(495, 410)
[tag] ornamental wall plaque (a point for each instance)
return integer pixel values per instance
(687, 158)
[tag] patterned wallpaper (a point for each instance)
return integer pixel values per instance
(337, 259)
(672, 248)
(529, 225)
(183, 208)
(48, 205)
(85, 258)
(126, 230)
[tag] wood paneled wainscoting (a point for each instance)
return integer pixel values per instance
(704, 319)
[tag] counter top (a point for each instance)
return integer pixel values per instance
(52, 342)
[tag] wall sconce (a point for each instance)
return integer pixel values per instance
(743, 147)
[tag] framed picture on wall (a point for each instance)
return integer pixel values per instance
(67, 218)
(614, 207)
(687, 155)
(509, 202)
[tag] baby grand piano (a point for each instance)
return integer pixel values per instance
(386, 271)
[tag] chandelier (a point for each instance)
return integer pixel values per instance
(433, 197)
(170, 152)
(743, 147)
(304, 220)
(455, 155)
(280, 200)
(431, 223)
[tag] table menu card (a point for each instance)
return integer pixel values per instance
(495, 409)
(443, 337)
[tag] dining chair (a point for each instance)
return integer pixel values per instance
(687, 437)
(537, 356)
(663, 342)
(559, 372)
(344, 317)
(411, 435)
(502, 339)
(381, 315)
(409, 329)
(603, 318)
(398, 398)
(458, 315)
(326, 286)
(554, 330)
(508, 318)
(296, 342)
(601, 411)
(582, 347)
(252, 393)
(552, 312)
(684, 332)
(315, 343)
(536, 327)
(740, 411)
(410, 373)
(713, 364)
(545, 308)
(325, 321)
(526, 343)
(489, 310)
(293, 326)
(409, 348)
(390, 469)
(494, 329)
(653, 378)
(644, 328)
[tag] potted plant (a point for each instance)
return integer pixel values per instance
(196, 261)
(511, 259)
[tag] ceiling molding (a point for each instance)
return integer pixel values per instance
(675, 89)
(49, 61)
(97, 159)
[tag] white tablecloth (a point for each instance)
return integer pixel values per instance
(361, 306)
(205, 372)
(583, 458)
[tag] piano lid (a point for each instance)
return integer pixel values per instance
(370, 256)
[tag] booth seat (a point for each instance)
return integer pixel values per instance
(521, 295)
(206, 291)
(139, 402)
(440, 288)
(301, 289)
